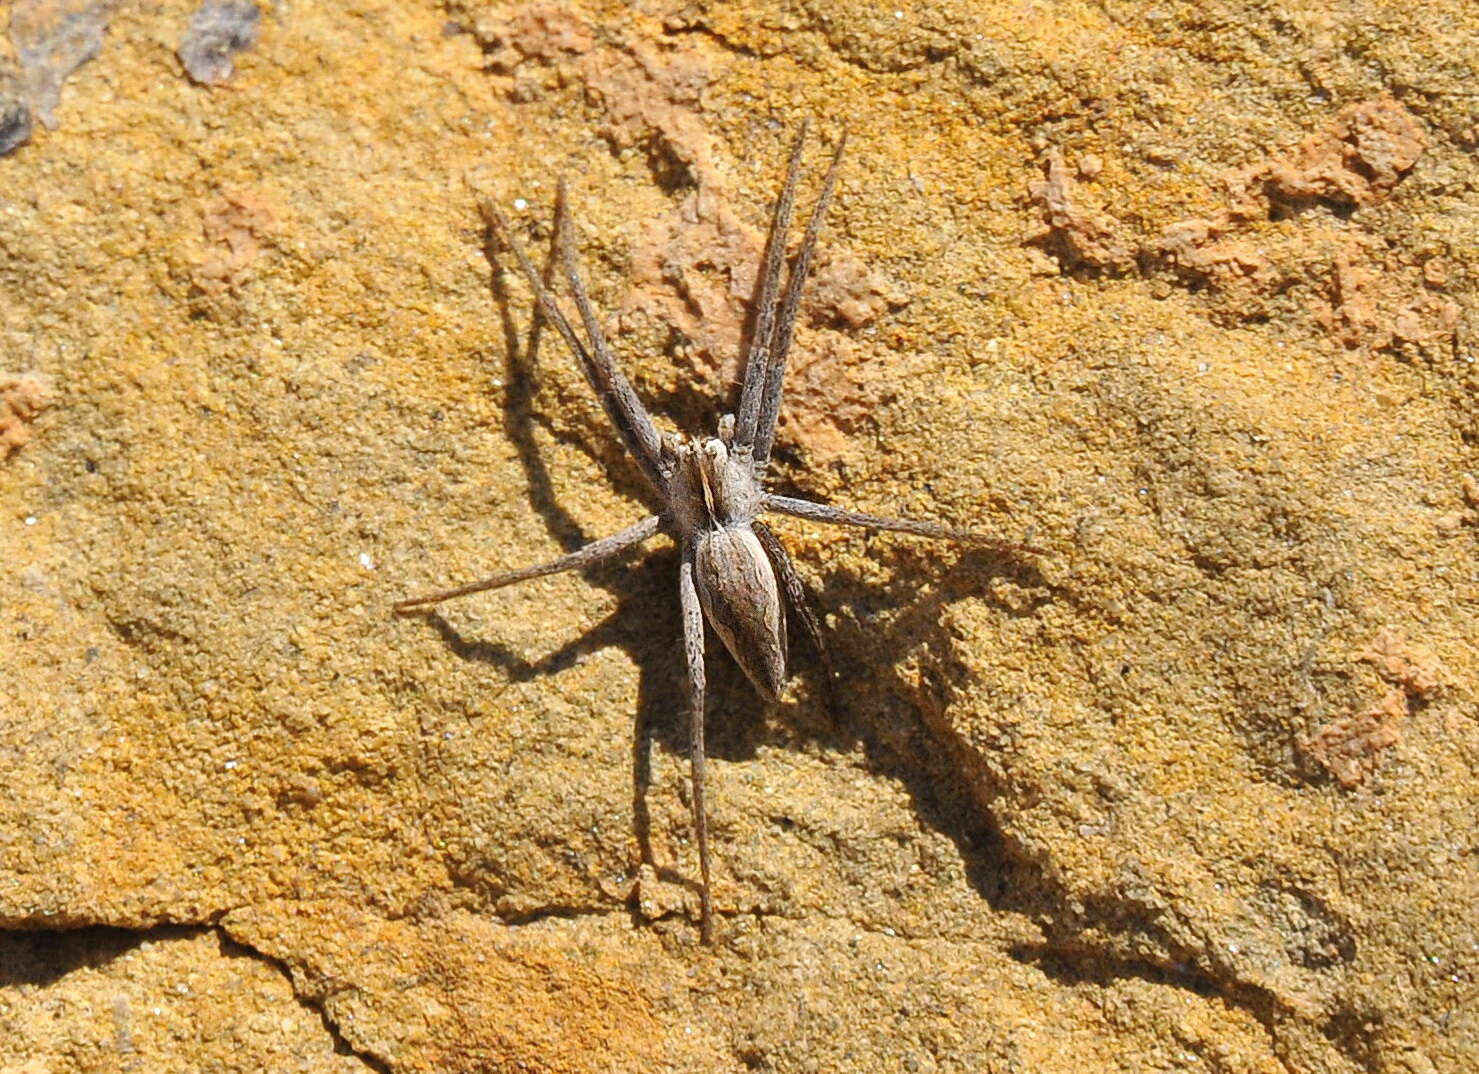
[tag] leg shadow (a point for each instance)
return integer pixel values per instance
(922, 758)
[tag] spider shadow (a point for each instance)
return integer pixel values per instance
(931, 768)
(646, 623)
(520, 416)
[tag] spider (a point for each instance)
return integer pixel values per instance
(710, 491)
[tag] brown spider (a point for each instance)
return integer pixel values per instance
(709, 489)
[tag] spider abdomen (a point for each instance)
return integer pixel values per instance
(742, 602)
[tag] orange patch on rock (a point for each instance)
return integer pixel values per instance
(830, 393)
(22, 399)
(1075, 235)
(1373, 305)
(1236, 269)
(1356, 161)
(1350, 746)
(542, 32)
(1410, 667)
(647, 90)
(236, 227)
(1370, 299)
(842, 288)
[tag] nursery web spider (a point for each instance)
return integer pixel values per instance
(709, 490)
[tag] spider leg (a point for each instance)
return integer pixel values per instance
(757, 360)
(780, 345)
(837, 516)
(623, 408)
(800, 601)
(593, 553)
(693, 648)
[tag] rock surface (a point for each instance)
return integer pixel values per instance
(1189, 298)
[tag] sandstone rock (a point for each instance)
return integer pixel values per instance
(1067, 816)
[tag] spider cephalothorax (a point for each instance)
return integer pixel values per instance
(708, 493)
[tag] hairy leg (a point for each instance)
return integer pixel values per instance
(623, 408)
(693, 649)
(775, 374)
(757, 360)
(593, 553)
(837, 516)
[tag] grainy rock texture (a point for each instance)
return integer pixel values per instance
(1188, 293)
